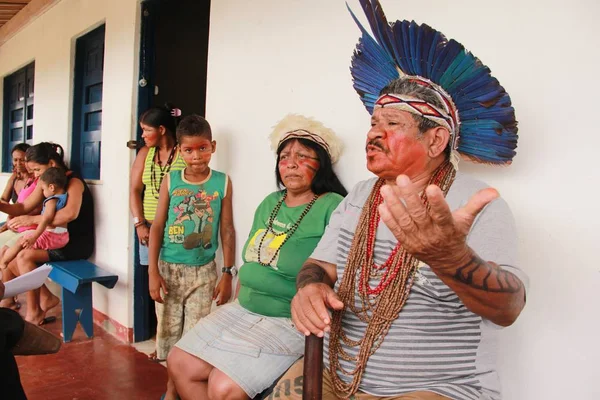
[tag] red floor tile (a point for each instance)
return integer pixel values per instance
(91, 369)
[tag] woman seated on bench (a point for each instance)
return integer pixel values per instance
(19, 186)
(20, 178)
(78, 214)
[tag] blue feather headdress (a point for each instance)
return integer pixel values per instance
(487, 129)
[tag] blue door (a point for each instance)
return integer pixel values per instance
(87, 115)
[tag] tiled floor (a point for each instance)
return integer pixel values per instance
(91, 369)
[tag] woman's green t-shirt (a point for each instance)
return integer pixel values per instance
(268, 290)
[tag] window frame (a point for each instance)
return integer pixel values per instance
(27, 120)
(82, 109)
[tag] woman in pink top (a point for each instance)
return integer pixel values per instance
(23, 194)
(19, 186)
(20, 177)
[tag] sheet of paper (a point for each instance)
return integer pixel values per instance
(29, 281)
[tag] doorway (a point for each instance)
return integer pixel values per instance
(173, 66)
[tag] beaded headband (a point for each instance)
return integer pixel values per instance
(302, 134)
(446, 117)
(295, 126)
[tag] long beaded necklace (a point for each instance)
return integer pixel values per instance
(163, 170)
(387, 269)
(379, 306)
(288, 233)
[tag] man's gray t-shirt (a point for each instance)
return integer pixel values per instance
(436, 344)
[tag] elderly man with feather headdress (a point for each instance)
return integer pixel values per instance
(417, 265)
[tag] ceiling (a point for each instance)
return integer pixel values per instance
(9, 8)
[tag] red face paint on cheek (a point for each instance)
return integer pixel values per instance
(407, 154)
(305, 167)
(150, 138)
(390, 134)
(194, 147)
(304, 163)
(283, 166)
(309, 164)
(308, 168)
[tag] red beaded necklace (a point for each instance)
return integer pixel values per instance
(390, 268)
(377, 307)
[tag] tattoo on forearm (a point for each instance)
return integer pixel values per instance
(310, 273)
(487, 276)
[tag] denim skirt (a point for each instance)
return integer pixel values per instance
(252, 349)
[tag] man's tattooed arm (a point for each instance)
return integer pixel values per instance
(314, 271)
(487, 276)
(484, 287)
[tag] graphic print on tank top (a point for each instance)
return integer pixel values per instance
(193, 225)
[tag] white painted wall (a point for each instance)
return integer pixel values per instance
(50, 41)
(270, 57)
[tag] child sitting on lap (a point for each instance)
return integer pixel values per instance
(45, 236)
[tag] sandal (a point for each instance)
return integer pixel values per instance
(47, 320)
(152, 357)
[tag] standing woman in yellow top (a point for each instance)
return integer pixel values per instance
(154, 161)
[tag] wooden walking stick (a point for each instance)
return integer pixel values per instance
(313, 368)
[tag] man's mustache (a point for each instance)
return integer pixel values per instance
(376, 143)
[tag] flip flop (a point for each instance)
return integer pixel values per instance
(47, 320)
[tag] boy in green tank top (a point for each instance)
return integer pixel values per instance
(194, 205)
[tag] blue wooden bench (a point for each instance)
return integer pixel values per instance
(76, 278)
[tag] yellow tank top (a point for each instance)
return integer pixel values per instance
(151, 178)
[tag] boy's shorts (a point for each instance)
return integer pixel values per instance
(190, 298)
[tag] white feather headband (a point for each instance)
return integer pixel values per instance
(295, 126)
